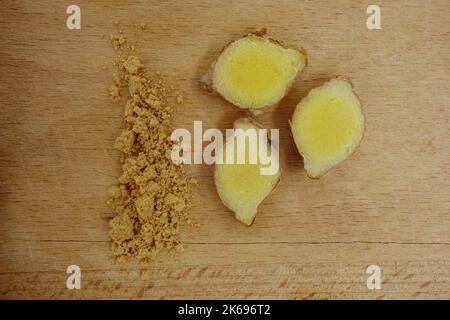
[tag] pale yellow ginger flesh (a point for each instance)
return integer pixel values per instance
(242, 187)
(256, 72)
(327, 126)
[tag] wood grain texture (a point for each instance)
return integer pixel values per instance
(389, 204)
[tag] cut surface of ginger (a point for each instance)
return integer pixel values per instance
(327, 126)
(242, 187)
(256, 72)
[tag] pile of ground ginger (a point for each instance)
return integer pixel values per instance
(153, 195)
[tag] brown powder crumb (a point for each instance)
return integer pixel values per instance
(153, 194)
(132, 64)
(180, 99)
(118, 40)
(115, 89)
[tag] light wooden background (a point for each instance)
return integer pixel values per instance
(388, 205)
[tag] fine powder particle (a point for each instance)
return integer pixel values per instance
(154, 194)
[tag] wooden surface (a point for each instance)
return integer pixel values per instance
(388, 205)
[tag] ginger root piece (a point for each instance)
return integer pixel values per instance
(255, 72)
(327, 126)
(242, 187)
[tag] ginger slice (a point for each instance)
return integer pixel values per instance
(242, 187)
(255, 72)
(327, 126)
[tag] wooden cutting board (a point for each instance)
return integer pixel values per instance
(388, 205)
